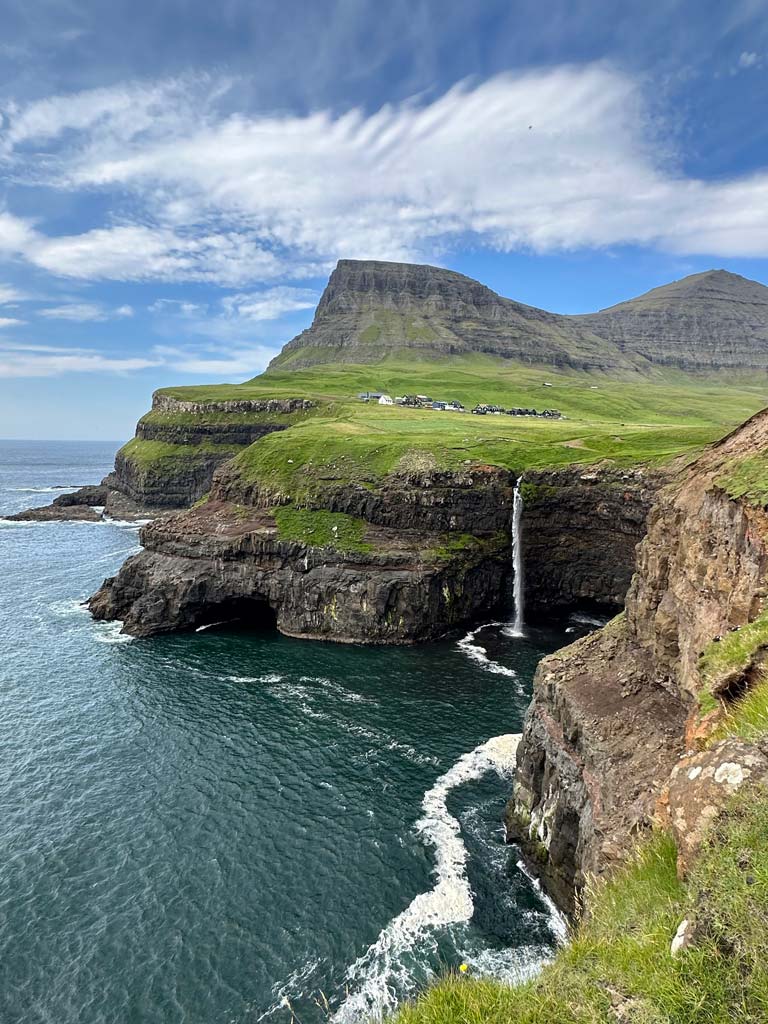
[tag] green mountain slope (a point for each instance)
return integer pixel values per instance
(372, 310)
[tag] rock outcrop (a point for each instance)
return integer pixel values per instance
(612, 714)
(700, 786)
(220, 562)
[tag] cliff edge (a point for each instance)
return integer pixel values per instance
(613, 714)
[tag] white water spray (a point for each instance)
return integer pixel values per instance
(518, 624)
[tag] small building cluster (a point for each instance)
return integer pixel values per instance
(425, 402)
(497, 410)
(411, 401)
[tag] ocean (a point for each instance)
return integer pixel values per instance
(227, 827)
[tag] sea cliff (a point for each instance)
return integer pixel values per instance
(613, 714)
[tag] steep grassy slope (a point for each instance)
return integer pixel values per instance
(618, 967)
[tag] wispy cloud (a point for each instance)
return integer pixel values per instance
(43, 361)
(83, 312)
(558, 158)
(30, 359)
(9, 321)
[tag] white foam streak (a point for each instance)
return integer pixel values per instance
(376, 978)
(558, 923)
(479, 654)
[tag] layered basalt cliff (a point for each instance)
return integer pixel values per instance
(581, 527)
(171, 461)
(440, 539)
(222, 562)
(612, 714)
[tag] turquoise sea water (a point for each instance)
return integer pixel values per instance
(207, 827)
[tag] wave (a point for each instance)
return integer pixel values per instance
(381, 974)
(109, 633)
(479, 654)
(270, 677)
(558, 923)
(44, 490)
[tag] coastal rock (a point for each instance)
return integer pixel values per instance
(221, 562)
(701, 785)
(610, 715)
(412, 514)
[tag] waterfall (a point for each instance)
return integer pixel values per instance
(518, 623)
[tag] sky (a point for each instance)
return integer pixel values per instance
(178, 178)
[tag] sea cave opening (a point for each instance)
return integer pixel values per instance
(239, 614)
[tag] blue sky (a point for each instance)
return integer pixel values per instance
(177, 179)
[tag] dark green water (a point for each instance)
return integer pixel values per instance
(197, 828)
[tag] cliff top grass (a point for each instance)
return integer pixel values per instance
(747, 479)
(730, 656)
(618, 966)
(160, 456)
(629, 420)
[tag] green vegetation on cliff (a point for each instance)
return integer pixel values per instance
(160, 457)
(629, 420)
(618, 966)
(747, 478)
(321, 528)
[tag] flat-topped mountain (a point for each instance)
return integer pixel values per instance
(705, 321)
(371, 310)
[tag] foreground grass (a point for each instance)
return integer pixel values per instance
(618, 966)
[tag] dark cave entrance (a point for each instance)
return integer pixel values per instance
(239, 614)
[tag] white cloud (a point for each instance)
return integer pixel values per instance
(270, 303)
(8, 321)
(83, 312)
(236, 364)
(557, 158)
(9, 294)
(749, 59)
(36, 361)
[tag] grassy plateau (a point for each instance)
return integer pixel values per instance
(629, 420)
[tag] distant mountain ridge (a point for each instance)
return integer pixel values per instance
(371, 310)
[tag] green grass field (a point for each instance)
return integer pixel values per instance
(629, 420)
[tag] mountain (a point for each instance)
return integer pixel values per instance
(372, 309)
(712, 320)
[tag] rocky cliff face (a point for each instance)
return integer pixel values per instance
(612, 714)
(434, 552)
(222, 562)
(370, 309)
(707, 321)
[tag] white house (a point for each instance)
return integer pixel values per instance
(386, 400)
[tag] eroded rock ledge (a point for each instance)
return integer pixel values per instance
(434, 553)
(612, 714)
(223, 561)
